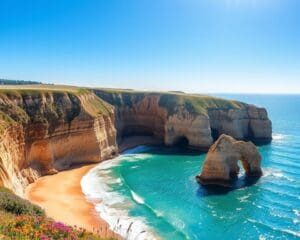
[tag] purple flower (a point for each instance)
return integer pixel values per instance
(61, 227)
(44, 237)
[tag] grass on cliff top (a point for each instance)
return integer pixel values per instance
(97, 106)
(18, 90)
(46, 112)
(172, 101)
(197, 104)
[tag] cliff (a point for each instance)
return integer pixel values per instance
(176, 118)
(45, 131)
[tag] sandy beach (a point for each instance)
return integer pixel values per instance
(61, 197)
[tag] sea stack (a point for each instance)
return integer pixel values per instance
(220, 166)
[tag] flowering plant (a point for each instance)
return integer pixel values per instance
(43, 228)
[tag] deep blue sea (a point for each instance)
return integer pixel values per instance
(151, 192)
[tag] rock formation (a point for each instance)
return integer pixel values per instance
(199, 119)
(47, 129)
(45, 132)
(249, 123)
(221, 163)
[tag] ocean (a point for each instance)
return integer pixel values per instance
(151, 192)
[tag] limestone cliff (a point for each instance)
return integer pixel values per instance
(45, 129)
(43, 132)
(247, 123)
(171, 117)
(220, 165)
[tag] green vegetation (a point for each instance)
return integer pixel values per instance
(33, 103)
(121, 97)
(96, 106)
(39, 89)
(17, 82)
(22, 220)
(13, 204)
(196, 104)
(47, 105)
(172, 101)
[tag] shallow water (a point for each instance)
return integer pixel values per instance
(155, 188)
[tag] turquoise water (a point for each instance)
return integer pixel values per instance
(158, 187)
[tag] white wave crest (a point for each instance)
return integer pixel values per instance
(137, 198)
(296, 212)
(276, 173)
(112, 206)
(287, 231)
(278, 137)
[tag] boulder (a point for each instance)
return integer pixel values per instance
(221, 164)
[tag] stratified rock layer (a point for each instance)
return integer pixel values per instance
(221, 163)
(45, 132)
(45, 129)
(197, 118)
(248, 123)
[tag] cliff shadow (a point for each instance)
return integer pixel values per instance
(235, 184)
(161, 149)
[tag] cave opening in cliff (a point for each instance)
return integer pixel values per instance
(215, 133)
(181, 142)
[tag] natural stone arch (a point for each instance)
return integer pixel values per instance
(221, 163)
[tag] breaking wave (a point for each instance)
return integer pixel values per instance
(112, 206)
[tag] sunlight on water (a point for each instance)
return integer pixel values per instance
(153, 192)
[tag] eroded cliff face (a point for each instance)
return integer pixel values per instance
(143, 115)
(248, 123)
(198, 119)
(45, 132)
(183, 124)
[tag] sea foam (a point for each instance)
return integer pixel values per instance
(112, 206)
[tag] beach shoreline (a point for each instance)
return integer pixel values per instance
(61, 196)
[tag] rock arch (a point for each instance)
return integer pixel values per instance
(221, 163)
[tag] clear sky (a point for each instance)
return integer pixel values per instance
(189, 45)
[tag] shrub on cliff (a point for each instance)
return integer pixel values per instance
(22, 220)
(13, 204)
(43, 228)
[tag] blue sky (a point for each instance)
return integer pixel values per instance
(190, 45)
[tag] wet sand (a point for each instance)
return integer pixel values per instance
(61, 197)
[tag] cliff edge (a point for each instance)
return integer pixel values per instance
(47, 130)
(175, 118)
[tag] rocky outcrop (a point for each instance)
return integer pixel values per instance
(248, 123)
(143, 114)
(48, 129)
(171, 117)
(45, 132)
(185, 125)
(221, 163)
